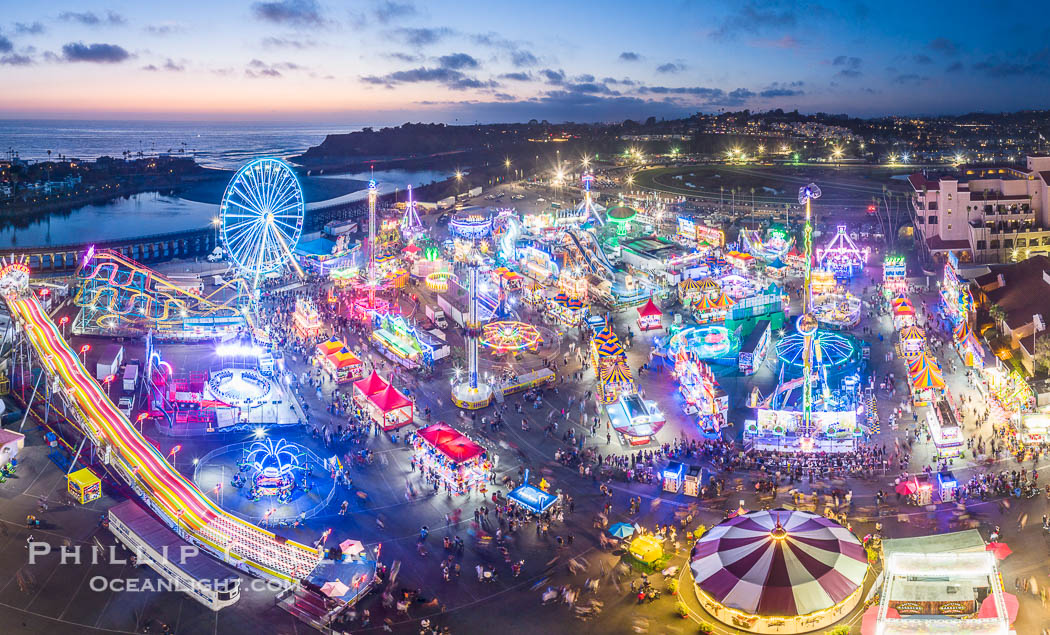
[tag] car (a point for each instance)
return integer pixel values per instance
(216, 256)
(124, 405)
(518, 197)
(541, 200)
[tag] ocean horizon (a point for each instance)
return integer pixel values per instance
(214, 144)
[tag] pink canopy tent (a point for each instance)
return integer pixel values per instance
(1000, 549)
(871, 618)
(988, 607)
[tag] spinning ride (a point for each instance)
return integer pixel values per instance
(508, 336)
(842, 256)
(273, 468)
(774, 246)
(261, 217)
(712, 341)
(778, 571)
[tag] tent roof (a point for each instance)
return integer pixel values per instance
(372, 384)
(649, 309)
(343, 358)
(389, 399)
(450, 442)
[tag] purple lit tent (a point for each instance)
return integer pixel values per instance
(779, 563)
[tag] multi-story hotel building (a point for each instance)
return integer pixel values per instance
(984, 214)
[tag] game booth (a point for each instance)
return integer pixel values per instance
(703, 396)
(903, 312)
(568, 311)
(894, 275)
(716, 309)
(84, 486)
(778, 571)
(649, 316)
(384, 404)
(339, 362)
(458, 463)
(609, 361)
(926, 379)
(969, 349)
(691, 290)
(1035, 428)
(403, 343)
(739, 260)
(531, 498)
(911, 342)
(943, 421)
(306, 321)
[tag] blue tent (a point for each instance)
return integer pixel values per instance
(621, 530)
(532, 498)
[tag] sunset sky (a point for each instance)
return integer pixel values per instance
(382, 62)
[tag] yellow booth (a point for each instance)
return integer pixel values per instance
(84, 486)
(646, 548)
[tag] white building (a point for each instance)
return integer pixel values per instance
(985, 214)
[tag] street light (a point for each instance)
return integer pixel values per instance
(173, 452)
(139, 419)
(215, 222)
(62, 322)
(83, 351)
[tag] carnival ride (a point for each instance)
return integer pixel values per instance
(261, 218)
(842, 256)
(473, 393)
(709, 342)
(587, 208)
(510, 337)
(774, 246)
(621, 216)
(145, 469)
(507, 227)
(275, 467)
(116, 293)
(778, 571)
(411, 225)
(591, 253)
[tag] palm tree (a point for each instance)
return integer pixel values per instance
(997, 313)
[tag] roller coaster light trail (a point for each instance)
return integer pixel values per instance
(144, 467)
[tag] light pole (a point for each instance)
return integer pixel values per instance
(62, 323)
(83, 351)
(173, 452)
(215, 222)
(139, 419)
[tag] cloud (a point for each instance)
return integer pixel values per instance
(626, 81)
(292, 12)
(670, 67)
(165, 28)
(421, 36)
(15, 59)
(922, 58)
(1035, 64)
(696, 91)
(287, 43)
(260, 69)
(955, 67)
(758, 15)
(5, 45)
(403, 57)
(553, 76)
(909, 79)
(458, 61)
(97, 53)
(944, 46)
(785, 42)
(387, 11)
(518, 77)
(451, 78)
(31, 28)
(88, 18)
(522, 58)
(168, 65)
(629, 56)
(782, 89)
(851, 66)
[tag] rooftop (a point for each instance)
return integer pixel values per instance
(1024, 293)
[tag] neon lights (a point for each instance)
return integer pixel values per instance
(438, 281)
(842, 255)
(510, 336)
(261, 217)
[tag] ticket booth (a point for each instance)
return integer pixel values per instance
(84, 486)
(673, 477)
(947, 486)
(693, 480)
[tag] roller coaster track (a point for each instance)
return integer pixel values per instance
(117, 285)
(144, 468)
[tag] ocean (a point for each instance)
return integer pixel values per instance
(223, 144)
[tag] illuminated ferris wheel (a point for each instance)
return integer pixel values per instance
(261, 217)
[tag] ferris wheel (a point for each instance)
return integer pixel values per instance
(261, 217)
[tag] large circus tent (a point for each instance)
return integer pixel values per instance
(779, 571)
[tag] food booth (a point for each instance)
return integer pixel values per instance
(452, 458)
(389, 408)
(693, 481)
(649, 316)
(925, 379)
(943, 422)
(306, 321)
(911, 342)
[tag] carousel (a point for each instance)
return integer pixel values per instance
(778, 571)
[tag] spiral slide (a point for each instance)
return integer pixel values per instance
(141, 464)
